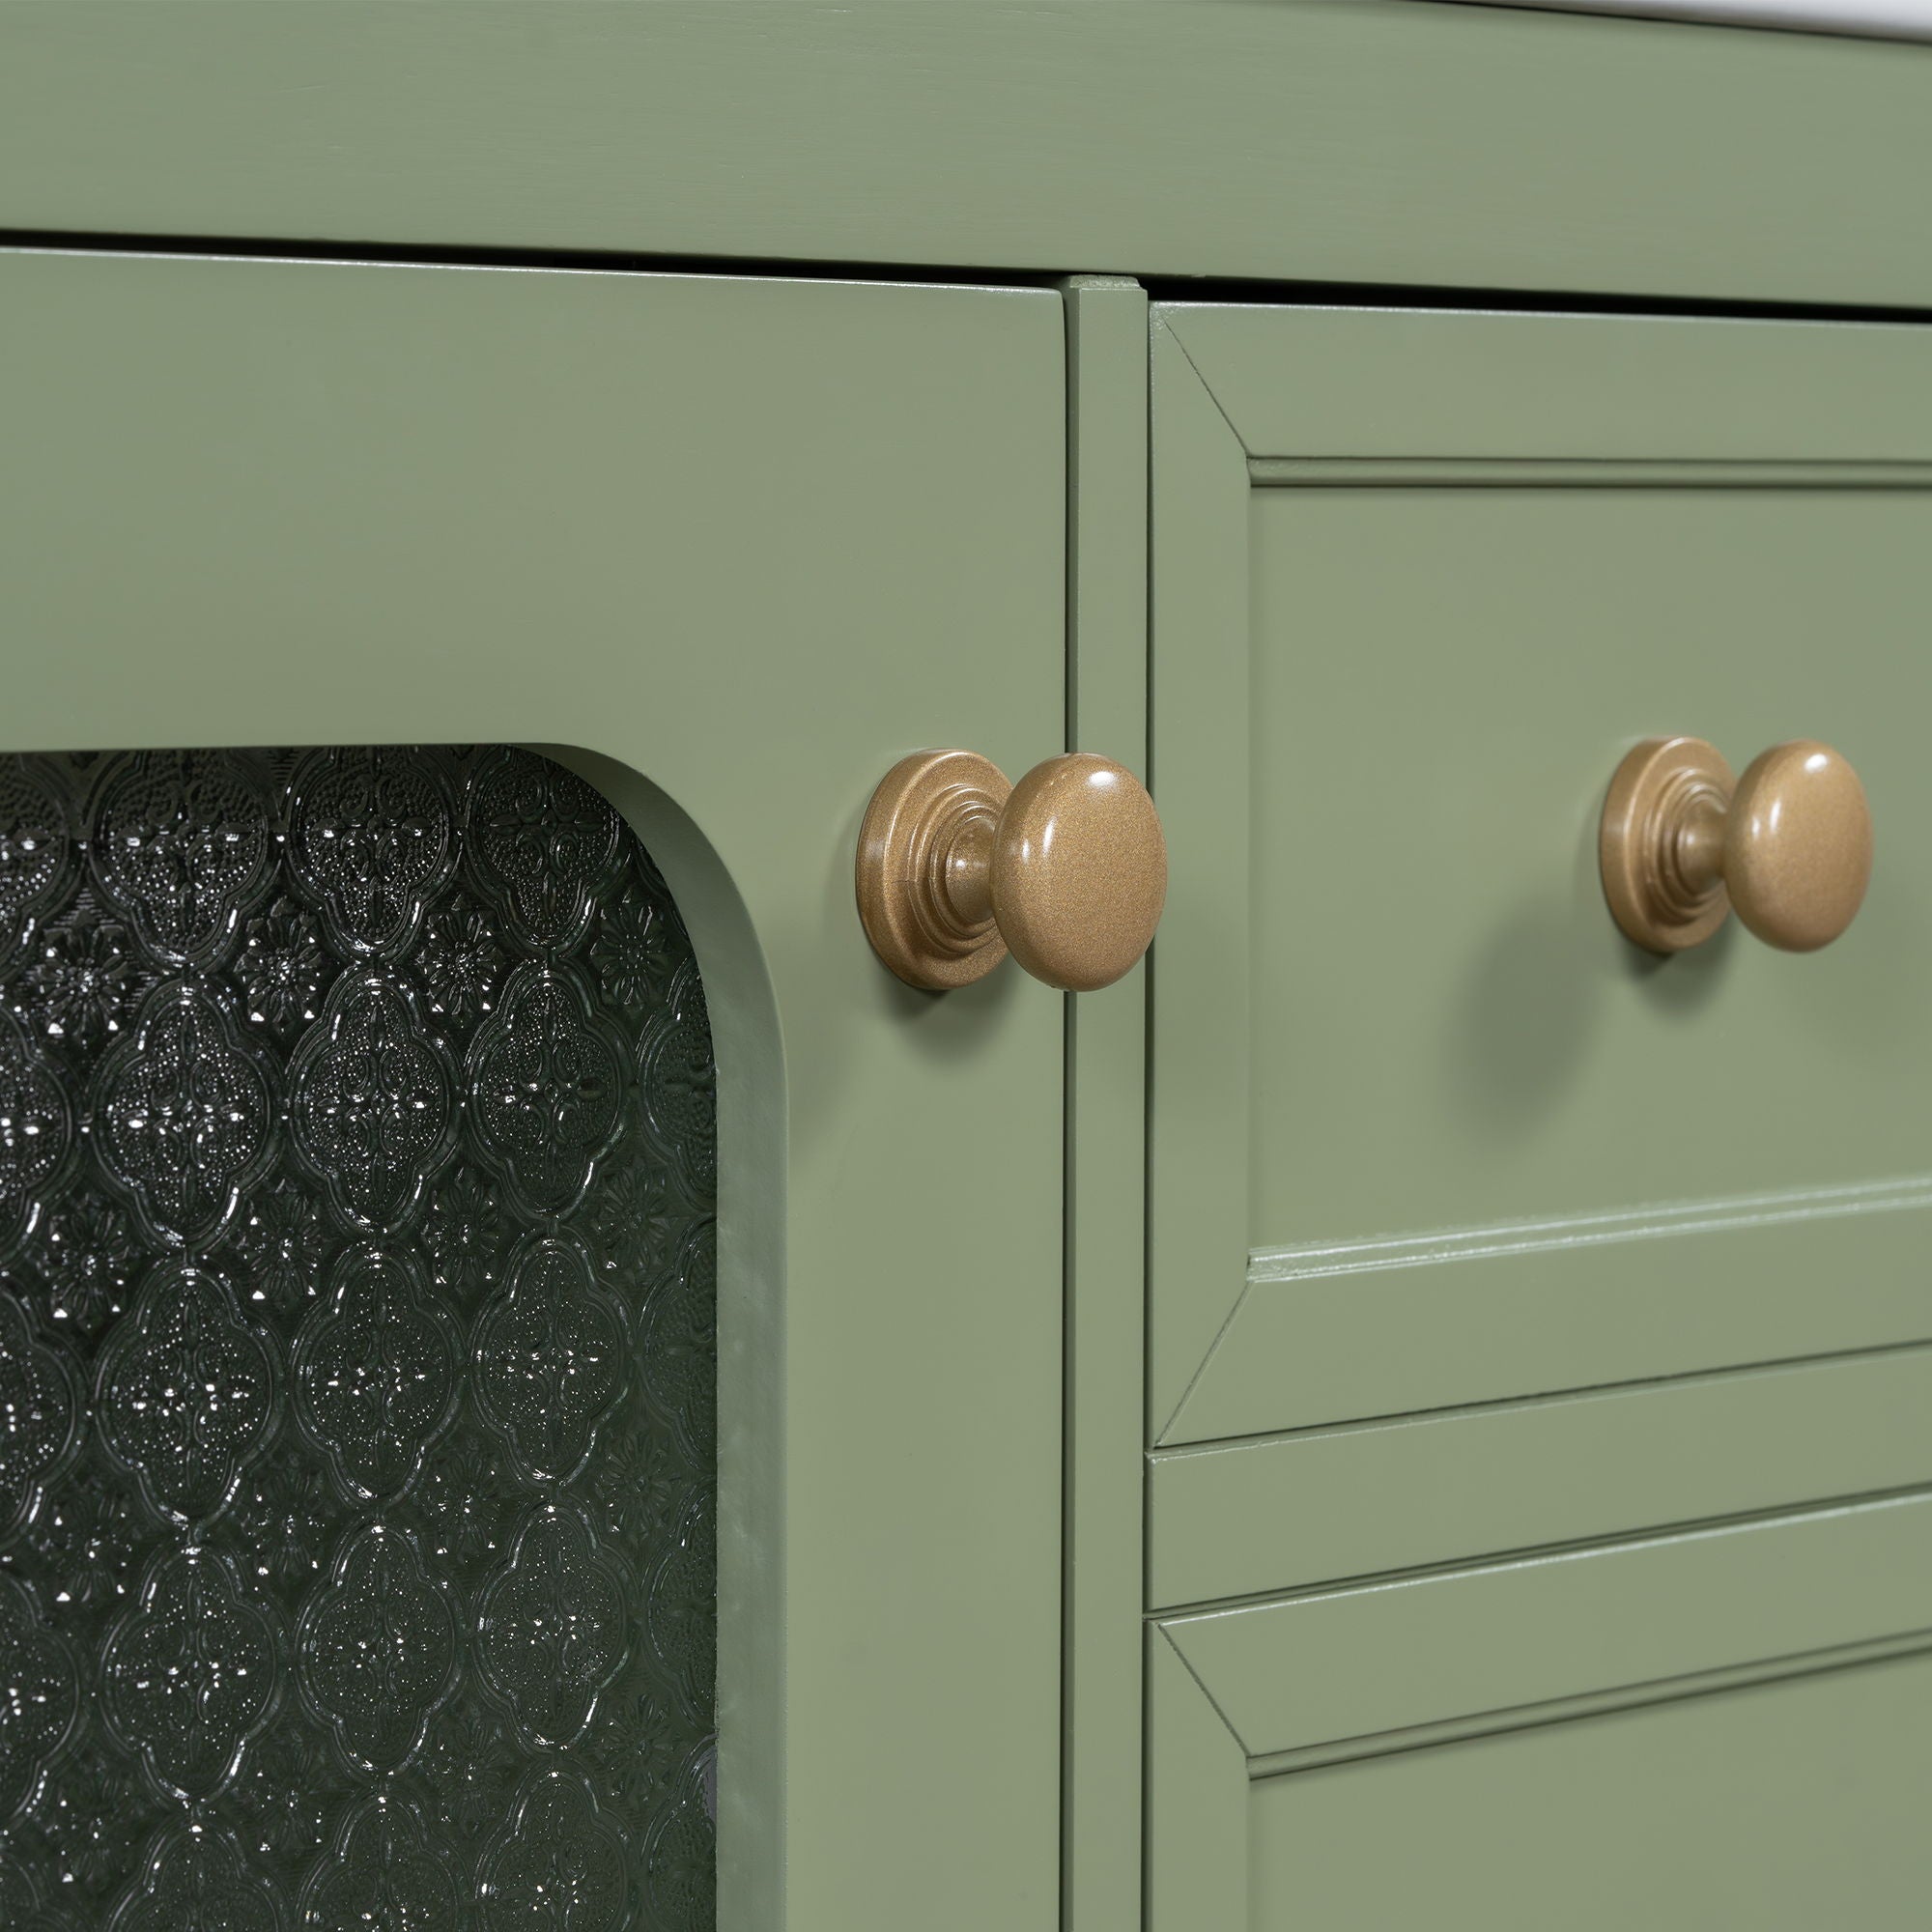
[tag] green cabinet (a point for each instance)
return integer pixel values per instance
(1402, 1406)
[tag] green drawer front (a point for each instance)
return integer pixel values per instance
(1426, 1131)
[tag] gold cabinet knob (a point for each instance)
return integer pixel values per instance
(1788, 845)
(1066, 869)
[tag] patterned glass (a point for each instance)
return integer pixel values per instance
(357, 1471)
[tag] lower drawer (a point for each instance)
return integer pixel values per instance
(1670, 1704)
(1786, 1808)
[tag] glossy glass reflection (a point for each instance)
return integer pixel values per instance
(357, 1469)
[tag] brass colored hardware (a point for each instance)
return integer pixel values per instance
(1066, 870)
(1788, 845)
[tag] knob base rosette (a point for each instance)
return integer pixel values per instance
(1664, 794)
(924, 866)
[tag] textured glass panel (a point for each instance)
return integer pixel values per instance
(358, 1474)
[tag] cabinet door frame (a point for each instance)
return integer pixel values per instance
(262, 500)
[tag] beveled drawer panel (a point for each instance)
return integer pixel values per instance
(1332, 1332)
(1426, 1131)
(1481, 1645)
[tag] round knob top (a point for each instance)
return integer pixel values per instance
(1079, 872)
(1797, 846)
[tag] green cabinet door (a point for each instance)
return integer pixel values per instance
(719, 547)
(1540, 1341)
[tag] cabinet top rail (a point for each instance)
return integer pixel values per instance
(1375, 141)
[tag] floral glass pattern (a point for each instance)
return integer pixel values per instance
(358, 1351)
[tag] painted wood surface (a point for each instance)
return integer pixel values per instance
(1408, 1652)
(1200, 1054)
(1678, 1817)
(1197, 1829)
(724, 544)
(1384, 385)
(1537, 1333)
(1276, 1512)
(1330, 1332)
(1490, 1149)
(1684, 1776)
(1319, 140)
(1106, 1131)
